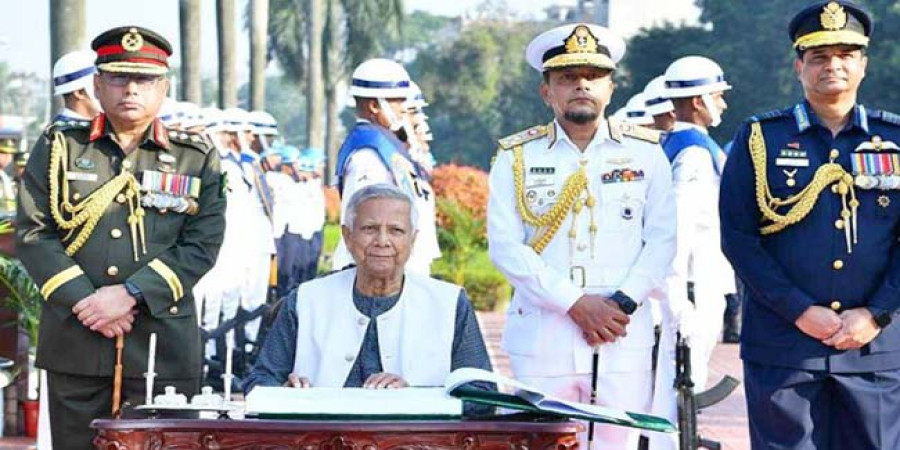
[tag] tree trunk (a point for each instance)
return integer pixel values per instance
(67, 33)
(225, 14)
(333, 73)
(189, 18)
(259, 25)
(315, 91)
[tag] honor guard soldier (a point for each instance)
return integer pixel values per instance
(373, 154)
(810, 213)
(659, 106)
(696, 85)
(117, 220)
(8, 151)
(582, 223)
(73, 79)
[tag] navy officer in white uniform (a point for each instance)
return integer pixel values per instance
(581, 220)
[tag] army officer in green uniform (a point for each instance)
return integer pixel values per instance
(117, 219)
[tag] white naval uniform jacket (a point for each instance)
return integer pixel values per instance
(415, 337)
(633, 248)
(699, 257)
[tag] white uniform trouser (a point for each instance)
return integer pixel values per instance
(629, 391)
(665, 397)
(44, 438)
(255, 289)
(705, 328)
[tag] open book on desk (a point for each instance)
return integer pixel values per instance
(526, 398)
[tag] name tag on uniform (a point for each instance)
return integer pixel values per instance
(81, 176)
(792, 157)
(791, 162)
(532, 182)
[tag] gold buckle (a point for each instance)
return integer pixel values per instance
(577, 275)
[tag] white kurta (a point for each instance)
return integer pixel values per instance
(415, 337)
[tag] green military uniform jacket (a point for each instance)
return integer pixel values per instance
(180, 246)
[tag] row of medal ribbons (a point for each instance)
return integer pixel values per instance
(876, 170)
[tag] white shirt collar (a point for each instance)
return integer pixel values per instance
(69, 113)
(560, 135)
(681, 126)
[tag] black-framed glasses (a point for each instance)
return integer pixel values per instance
(123, 79)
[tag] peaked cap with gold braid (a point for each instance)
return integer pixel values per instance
(833, 22)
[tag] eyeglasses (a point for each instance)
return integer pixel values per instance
(143, 82)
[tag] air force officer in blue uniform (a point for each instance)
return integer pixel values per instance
(810, 213)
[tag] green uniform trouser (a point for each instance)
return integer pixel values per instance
(76, 400)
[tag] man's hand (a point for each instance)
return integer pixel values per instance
(859, 328)
(819, 322)
(296, 381)
(103, 307)
(385, 380)
(600, 319)
(119, 327)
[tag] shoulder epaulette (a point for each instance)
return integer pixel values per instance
(619, 129)
(769, 115)
(190, 139)
(64, 125)
(524, 136)
(884, 116)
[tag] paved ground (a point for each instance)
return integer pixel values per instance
(725, 422)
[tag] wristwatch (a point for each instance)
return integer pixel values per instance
(626, 304)
(134, 291)
(882, 318)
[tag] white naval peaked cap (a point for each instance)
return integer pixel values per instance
(263, 123)
(380, 78)
(74, 71)
(635, 110)
(578, 44)
(690, 76)
(656, 102)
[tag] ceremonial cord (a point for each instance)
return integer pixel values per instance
(551, 220)
(802, 203)
(88, 212)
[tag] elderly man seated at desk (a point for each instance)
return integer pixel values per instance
(374, 325)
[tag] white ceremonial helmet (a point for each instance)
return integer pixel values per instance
(577, 44)
(692, 76)
(74, 71)
(236, 120)
(416, 99)
(191, 115)
(635, 110)
(170, 112)
(656, 102)
(380, 78)
(263, 123)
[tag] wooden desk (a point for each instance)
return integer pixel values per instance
(146, 434)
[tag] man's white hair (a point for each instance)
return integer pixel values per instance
(381, 190)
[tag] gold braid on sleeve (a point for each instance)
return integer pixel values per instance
(88, 212)
(802, 203)
(552, 220)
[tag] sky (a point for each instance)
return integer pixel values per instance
(25, 35)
